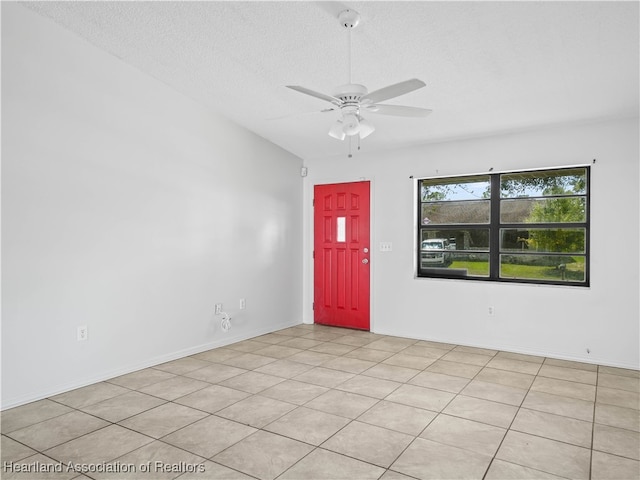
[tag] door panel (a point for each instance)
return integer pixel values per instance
(342, 254)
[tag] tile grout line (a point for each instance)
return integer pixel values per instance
(593, 423)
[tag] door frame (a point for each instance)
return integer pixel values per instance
(308, 268)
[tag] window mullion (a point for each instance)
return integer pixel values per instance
(494, 229)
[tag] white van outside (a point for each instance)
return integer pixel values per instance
(434, 252)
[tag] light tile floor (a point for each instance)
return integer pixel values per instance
(316, 402)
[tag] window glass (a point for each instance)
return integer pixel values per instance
(543, 210)
(442, 213)
(556, 268)
(455, 252)
(472, 264)
(341, 229)
(455, 189)
(461, 239)
(548, 240)
(544, 183)
(455, 264)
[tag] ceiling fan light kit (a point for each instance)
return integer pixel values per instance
(354, 99)
(336, 130)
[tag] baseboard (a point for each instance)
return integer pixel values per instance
(66, 387)
(595, 360)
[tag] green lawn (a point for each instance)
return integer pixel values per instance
(574, 271)
(476, 269)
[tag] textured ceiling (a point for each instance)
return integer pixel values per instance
(489, 66)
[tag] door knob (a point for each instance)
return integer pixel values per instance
(365, 260)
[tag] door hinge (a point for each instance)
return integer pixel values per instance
(313, 202)
(313, 255)
(313, 306)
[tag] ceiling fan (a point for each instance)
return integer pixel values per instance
(354, 100)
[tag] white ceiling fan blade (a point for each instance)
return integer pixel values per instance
(393, 91)
(313, 93)
(336, 130)
(398, 110)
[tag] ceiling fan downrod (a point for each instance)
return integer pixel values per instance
(349, 19)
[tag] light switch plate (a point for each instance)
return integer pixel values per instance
(386, 246)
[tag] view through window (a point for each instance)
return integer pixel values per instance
(529, 226)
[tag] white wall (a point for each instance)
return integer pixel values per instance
(128, 208)
(559, 322)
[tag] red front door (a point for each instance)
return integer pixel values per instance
(341, 254)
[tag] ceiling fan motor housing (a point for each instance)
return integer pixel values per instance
(351, 93)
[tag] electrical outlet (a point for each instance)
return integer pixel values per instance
(243, 303)
(82, 333)
(218, 308)
(491, 310)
